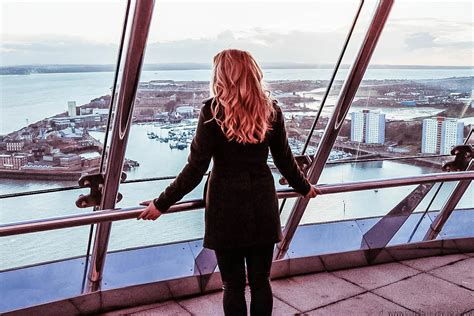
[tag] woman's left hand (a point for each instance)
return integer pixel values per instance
(150, 212)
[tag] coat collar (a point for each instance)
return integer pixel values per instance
(207, 100)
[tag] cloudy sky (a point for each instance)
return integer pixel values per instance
(419, 32)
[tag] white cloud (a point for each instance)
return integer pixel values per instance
(418, 32)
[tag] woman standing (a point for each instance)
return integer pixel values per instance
(236, 128)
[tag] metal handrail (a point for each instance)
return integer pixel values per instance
(133, 212)
(162, 178)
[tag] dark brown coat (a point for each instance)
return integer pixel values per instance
(241, 201)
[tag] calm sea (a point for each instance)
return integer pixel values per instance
(39, 96)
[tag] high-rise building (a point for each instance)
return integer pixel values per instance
(429, 138)
(368, 127)
(71, 108)
(357, 127)
(440, 135)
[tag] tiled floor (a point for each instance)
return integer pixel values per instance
(441, 285)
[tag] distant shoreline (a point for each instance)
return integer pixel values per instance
(73, 68)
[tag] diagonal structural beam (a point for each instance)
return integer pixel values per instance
(348, 91)
(122, 122)
(383, 231)
(330, 83)
(448, 207)
(378, 237)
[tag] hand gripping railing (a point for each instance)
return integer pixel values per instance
(133, 212)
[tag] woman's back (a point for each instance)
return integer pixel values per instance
(240, 195)
(234, 155)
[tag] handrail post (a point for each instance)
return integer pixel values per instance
(348, 91)
(122, 120)
(448, 207)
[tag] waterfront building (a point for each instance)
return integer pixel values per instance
(440, 135)
(83, 111)
(71, 108)
(100, 111)
(72, 132)
(185, 111)
(15, 161)
(357, 127)
(14, 145)
(368, 127)
(88, 119)
(71, 161)
(429, 138)
(27, 136)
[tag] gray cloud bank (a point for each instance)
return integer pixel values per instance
(396, 47)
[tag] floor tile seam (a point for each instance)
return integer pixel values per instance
(276, 297)
(406, 265)
(404, 279)
(452, 263)
(182, 306)
(451, 282)
(337, 301)
(272, 295)
(349, 281)
(286, 302)
(329, 273)
(426, 271)
(372, 291)
(392, 301)
(293, 278)
(378, 287)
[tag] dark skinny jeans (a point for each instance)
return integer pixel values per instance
(232, 269)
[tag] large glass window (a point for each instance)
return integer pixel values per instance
(415, 101)
(57, 69)
(297, 45)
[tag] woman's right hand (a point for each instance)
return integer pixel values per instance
(312, 193)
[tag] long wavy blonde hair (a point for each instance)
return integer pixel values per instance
(238, 88)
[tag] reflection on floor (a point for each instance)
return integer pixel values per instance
(442, 285)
